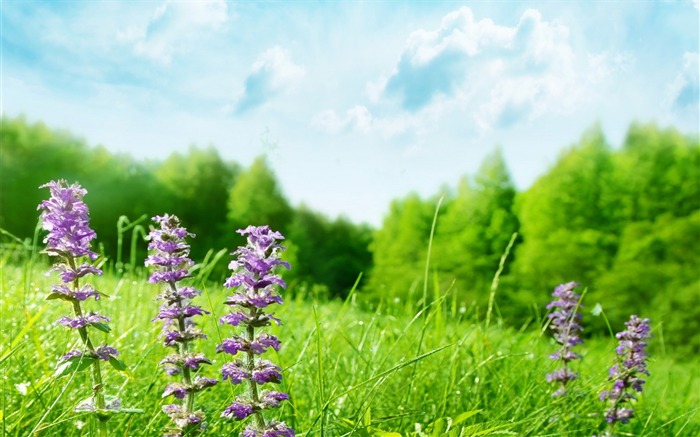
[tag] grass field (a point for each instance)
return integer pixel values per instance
(351, 368)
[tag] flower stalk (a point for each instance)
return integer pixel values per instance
(170, 256)
(565, 322)
(254, 278)
(625, 373)
(66, 218)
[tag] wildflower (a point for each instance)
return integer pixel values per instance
(565, 324)
(66, 218)
(170, 255)
(254, 278)
(625, 373)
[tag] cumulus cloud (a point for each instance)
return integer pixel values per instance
(502, 74)
(684, 92)
(272, 73)
(173, 28)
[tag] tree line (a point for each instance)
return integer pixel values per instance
(212, 197)
(624, 221)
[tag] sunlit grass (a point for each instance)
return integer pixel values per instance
(351, 368)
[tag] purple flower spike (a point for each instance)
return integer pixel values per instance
(66, 218)
(169, 254)
(254, 278)
(565, 324)
(625, 374)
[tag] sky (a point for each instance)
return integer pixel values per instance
(355, 103)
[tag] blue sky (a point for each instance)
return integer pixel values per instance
(355, 103)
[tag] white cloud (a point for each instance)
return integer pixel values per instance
(357, 118)
(684, 92)
(173, 28)
(501, 75)
(272, 73)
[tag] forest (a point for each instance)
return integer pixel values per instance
(623, 220)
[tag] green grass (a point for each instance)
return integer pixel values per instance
(351, 368)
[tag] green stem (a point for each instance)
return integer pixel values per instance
(184, 350)
(250, 364)
(97, 384)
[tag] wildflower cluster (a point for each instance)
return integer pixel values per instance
(255, 282)
(565, 322)
(170, 255)
(66, 218)
(625, 374)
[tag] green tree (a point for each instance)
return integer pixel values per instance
(658, 173)
(476, 228)
(569, 219)
(399, 248)
(256, 199)
(31, 155)
(331, 254)
(655, 272)
(197, 187)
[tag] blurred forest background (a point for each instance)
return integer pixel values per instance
(623, 221)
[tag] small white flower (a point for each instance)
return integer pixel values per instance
(22, 388)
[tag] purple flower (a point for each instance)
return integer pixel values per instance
(66, 217)
(82, 321)
(238, 410)
(83, 293)
(169, 255)
(234, 372)
(69, 274)
(272, 399)
(234, 319)
(264, 342)
(176, 389)
(190, 422)
(232, 345)
(178, 311)
(106, 352)
(256, 282)
(75, 353)
(264, 371)
(272, 429)
(625, 374)
(201, 382)
(195, 360)
(565, 324)
(168, 276)
(191, 360)
(169, 251)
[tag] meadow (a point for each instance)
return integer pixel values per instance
(353, 367)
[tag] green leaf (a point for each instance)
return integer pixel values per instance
(102, 327)
(61, 296)
(129, 410)
(75, 364)
(118, 364)
(438, 427)
(464, 416)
